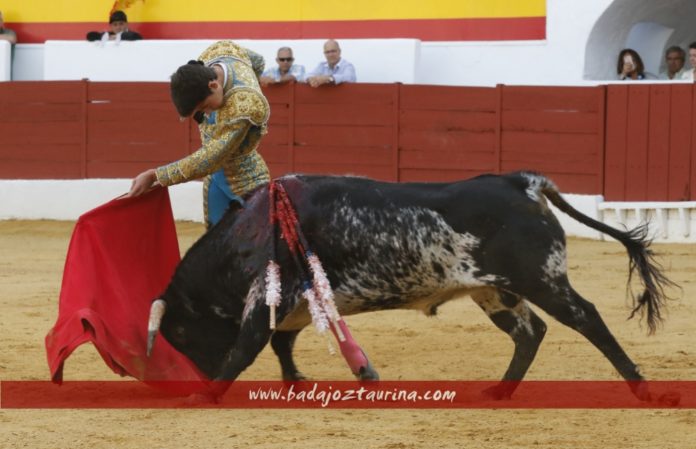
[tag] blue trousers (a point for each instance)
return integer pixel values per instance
(218, 197)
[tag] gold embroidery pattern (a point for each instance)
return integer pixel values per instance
(219, 144)
(243, 75)
(257, 62)
(247, 173)
(206, 188)
(224, 49)
(243, 103)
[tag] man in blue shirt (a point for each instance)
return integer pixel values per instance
(285, 71)
(335, 70)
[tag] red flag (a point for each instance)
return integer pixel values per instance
(121, 256)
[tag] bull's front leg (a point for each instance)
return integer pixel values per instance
(254, 333)
(253, 337)
(282, 343)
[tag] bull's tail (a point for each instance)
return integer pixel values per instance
(642, 261)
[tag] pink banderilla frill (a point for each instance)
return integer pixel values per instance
(273, 289)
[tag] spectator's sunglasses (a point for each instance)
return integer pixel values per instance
(286, 59)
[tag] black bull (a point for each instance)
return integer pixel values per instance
(397, 246)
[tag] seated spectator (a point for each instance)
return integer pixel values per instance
(285, 71)
(629, 65)
(118, 30)
(335, 70)
(7, 34)
(689, 74)
(674, 59)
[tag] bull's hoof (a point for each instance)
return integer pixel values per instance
(368, 373)
(502, 391)
(640, 390)
(294, 377)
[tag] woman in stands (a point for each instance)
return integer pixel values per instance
(630, 66)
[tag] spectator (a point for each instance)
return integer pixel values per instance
(285, 71)
(222, 93)
(674, 58)
(335, 70)
(629, 65)
(118, 30)
(7, 34)
(689, 74)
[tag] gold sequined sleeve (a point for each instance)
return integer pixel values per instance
(225, 140)
(257, 62)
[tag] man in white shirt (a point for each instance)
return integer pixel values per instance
(335, 70)
(674, 59)
(285, 71)
(689, 74)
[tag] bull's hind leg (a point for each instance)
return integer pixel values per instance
(571, 309)
(282, 343)
(513, 316)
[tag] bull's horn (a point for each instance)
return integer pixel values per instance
(156, 313)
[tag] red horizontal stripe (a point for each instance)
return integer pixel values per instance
(346, 394)
(525, 28)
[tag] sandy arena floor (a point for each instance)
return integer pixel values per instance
(459, 344)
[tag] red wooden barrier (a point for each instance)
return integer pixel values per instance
(346, 129)
(447, 133)
(131, 127)
(42, 130)
(557, 131)
(629, 142)
(650, 149)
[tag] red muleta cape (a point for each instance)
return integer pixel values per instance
(121, 256)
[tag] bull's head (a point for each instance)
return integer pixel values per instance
(200, 311)
(204, 336)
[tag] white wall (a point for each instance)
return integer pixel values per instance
(28, 62)
(68, 199)
(668, 221)
(5, 60)
(559, 60)
(156, 60)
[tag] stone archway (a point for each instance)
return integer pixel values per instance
(647, 26)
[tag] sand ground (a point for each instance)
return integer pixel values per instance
(459, 344)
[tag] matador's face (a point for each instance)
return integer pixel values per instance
(213, 101)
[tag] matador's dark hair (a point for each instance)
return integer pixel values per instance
(189, 86)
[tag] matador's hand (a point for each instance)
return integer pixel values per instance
(142, 183)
